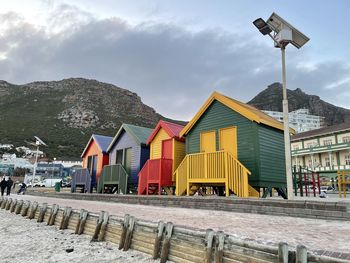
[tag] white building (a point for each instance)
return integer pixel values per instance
(6, 146)
(300, 120)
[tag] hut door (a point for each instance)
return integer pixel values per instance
(228, 140)
(127, 160)
(208, 141)
(167, 149)
(94, 171)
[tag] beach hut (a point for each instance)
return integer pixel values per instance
(128, 152)
(95, 156)
(81, 181)
(233, 147)
(167, 150)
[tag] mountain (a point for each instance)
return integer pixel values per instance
(271, 99)
(65, 113)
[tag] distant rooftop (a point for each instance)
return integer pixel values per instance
(323, 131)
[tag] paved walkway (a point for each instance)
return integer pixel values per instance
(316, 234)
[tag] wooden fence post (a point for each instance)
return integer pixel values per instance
(42, 213)
(13, 205)
(129, 232)
(219, 248)
(158, 239)
(124, 230)
(65, 218)
(32, 211)
(83, 222)
(25, 208)
(19, 207)
(301, 254)
(166, 243)
(98, 226)
(8, 204)
(54, 211)
(283, 252)
(209, 238)
(102, 233)
(3, 204)
(79, 221)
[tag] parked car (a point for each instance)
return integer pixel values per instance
(51, 182)
(36, 184)
(326, 188)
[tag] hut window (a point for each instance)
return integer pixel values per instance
(119, 157)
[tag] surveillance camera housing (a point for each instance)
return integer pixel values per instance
(39, 141)
(286, 33)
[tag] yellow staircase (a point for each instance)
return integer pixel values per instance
(213, 168)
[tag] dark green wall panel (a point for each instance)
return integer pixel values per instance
(219, 116)
(260, 148)
(272, 160)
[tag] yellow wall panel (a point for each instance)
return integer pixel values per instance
(156, 144)
(179, 152)
(208, 141)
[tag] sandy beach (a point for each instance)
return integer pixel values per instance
(24, 240)
(317, 235)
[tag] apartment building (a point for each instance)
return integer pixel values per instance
(325, 150)
(300, 120)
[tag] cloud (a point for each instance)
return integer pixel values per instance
(172, 68)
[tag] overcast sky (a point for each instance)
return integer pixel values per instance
(174, 53)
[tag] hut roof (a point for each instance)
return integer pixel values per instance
(101, 141)
(244, 109)
(172, 129)
(138, 133)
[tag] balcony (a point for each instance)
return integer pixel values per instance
(215, 168)
(114, 178)
(321, 149)
(155, 174)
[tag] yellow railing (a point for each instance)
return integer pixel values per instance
(343, 182)
(213, 167)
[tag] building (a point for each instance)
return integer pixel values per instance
(6, 169)
(128, 152)
(69, 163)
(167, 150)
(300, 120)
(326, 150)
(50, 169)
(6, 146)
(95, 156)
(232, 145)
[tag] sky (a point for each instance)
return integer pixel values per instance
(174, 54)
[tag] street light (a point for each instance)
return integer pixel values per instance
(282, 34)
(38, 142)
(53, 170)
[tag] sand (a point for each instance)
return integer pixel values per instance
(24, 240)
(316, 234)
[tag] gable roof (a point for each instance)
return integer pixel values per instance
(101, 141)
(138, 133)
(244, 109)
(172, 129)
(342, 127)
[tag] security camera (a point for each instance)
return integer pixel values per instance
(285, 32)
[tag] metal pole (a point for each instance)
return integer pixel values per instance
(35, 164)
(52, 175)
(286, 130)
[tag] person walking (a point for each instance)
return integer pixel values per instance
(9, 186)
(3, 185)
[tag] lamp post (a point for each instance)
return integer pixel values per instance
(53, 171)
(36, 161)
(283, 34)
(37, 143)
